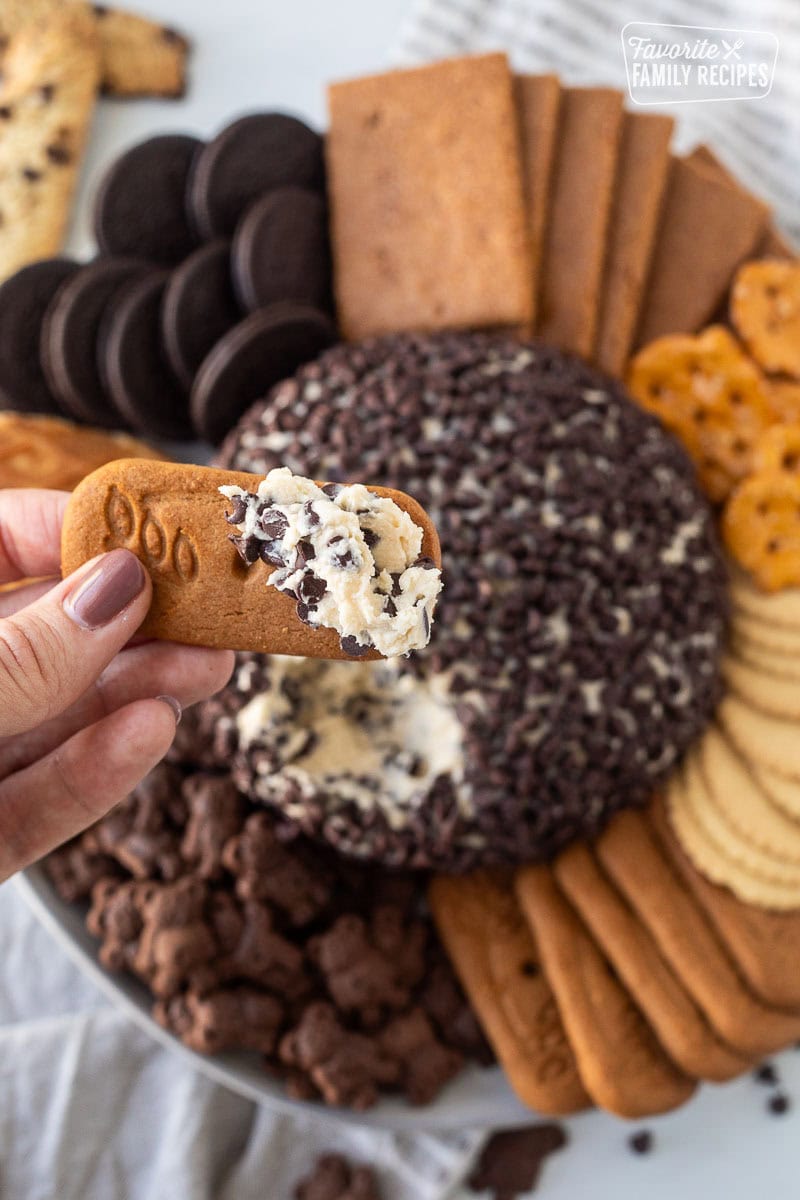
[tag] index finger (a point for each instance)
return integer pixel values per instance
(30, 532)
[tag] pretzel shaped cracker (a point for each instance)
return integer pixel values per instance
(711, 396)
(765, 309)
(784, 398)
(761, 528)
(778, 450)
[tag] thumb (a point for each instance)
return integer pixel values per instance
(53, 650)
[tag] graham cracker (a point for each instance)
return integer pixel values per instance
(672, 1014)
(639, 190)
(575, 238)
(428, 220)
(774, 243)
(707, 229)
(632, 856)
(622, 1065)
(765, 946)
(538, 98)
(485, 934)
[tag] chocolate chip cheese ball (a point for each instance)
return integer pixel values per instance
(574, 656)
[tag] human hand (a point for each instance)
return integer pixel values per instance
(83, 716)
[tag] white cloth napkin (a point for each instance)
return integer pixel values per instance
(91, 1108)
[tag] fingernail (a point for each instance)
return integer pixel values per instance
(109, 588)
(174, 705)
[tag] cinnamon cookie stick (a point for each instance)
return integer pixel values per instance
(620, 1061)
(484, 931)
(205, 591)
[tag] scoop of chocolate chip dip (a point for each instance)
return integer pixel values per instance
(574, 656)
(349, 558)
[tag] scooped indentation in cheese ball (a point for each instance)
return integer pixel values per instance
(350, 559)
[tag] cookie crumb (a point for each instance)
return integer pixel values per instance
(333, 1177)
(512, 1160)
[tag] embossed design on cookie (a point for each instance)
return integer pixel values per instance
(148, 537)
(184, 557)
(120, 516)
(153, 540)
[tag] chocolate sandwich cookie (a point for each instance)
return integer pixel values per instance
(262, 349)
(132, 364)
(281, 252)
(199, 307)
(70, 331)
(140, 209)
(576, 651)
(24, 299)
(256, 154)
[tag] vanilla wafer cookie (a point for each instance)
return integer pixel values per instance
(772, 694)
(47, 96)
(718, 855)
(762, 740)
(765, 946)
(690, 791)
(743, 803)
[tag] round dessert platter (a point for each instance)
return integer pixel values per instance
(593, 647)
(478, 1097)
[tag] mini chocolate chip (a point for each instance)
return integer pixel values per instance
(271, 553)
(47, 91)
(311, 588)
(60, 155)
(304, 553)
(311, 514)
(344, 559)
(249, 548)
(172, 36)
(353, 647)
(100, 10)
(304, 612)
(529, 968)
(273, 523)
(371, 538)
(389, 607)
(641, 1142)
(32, 175)
(766, 1074)
(6, 112)
(426, 563)
(238, 512)
(332, 490)
(779, 1104)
